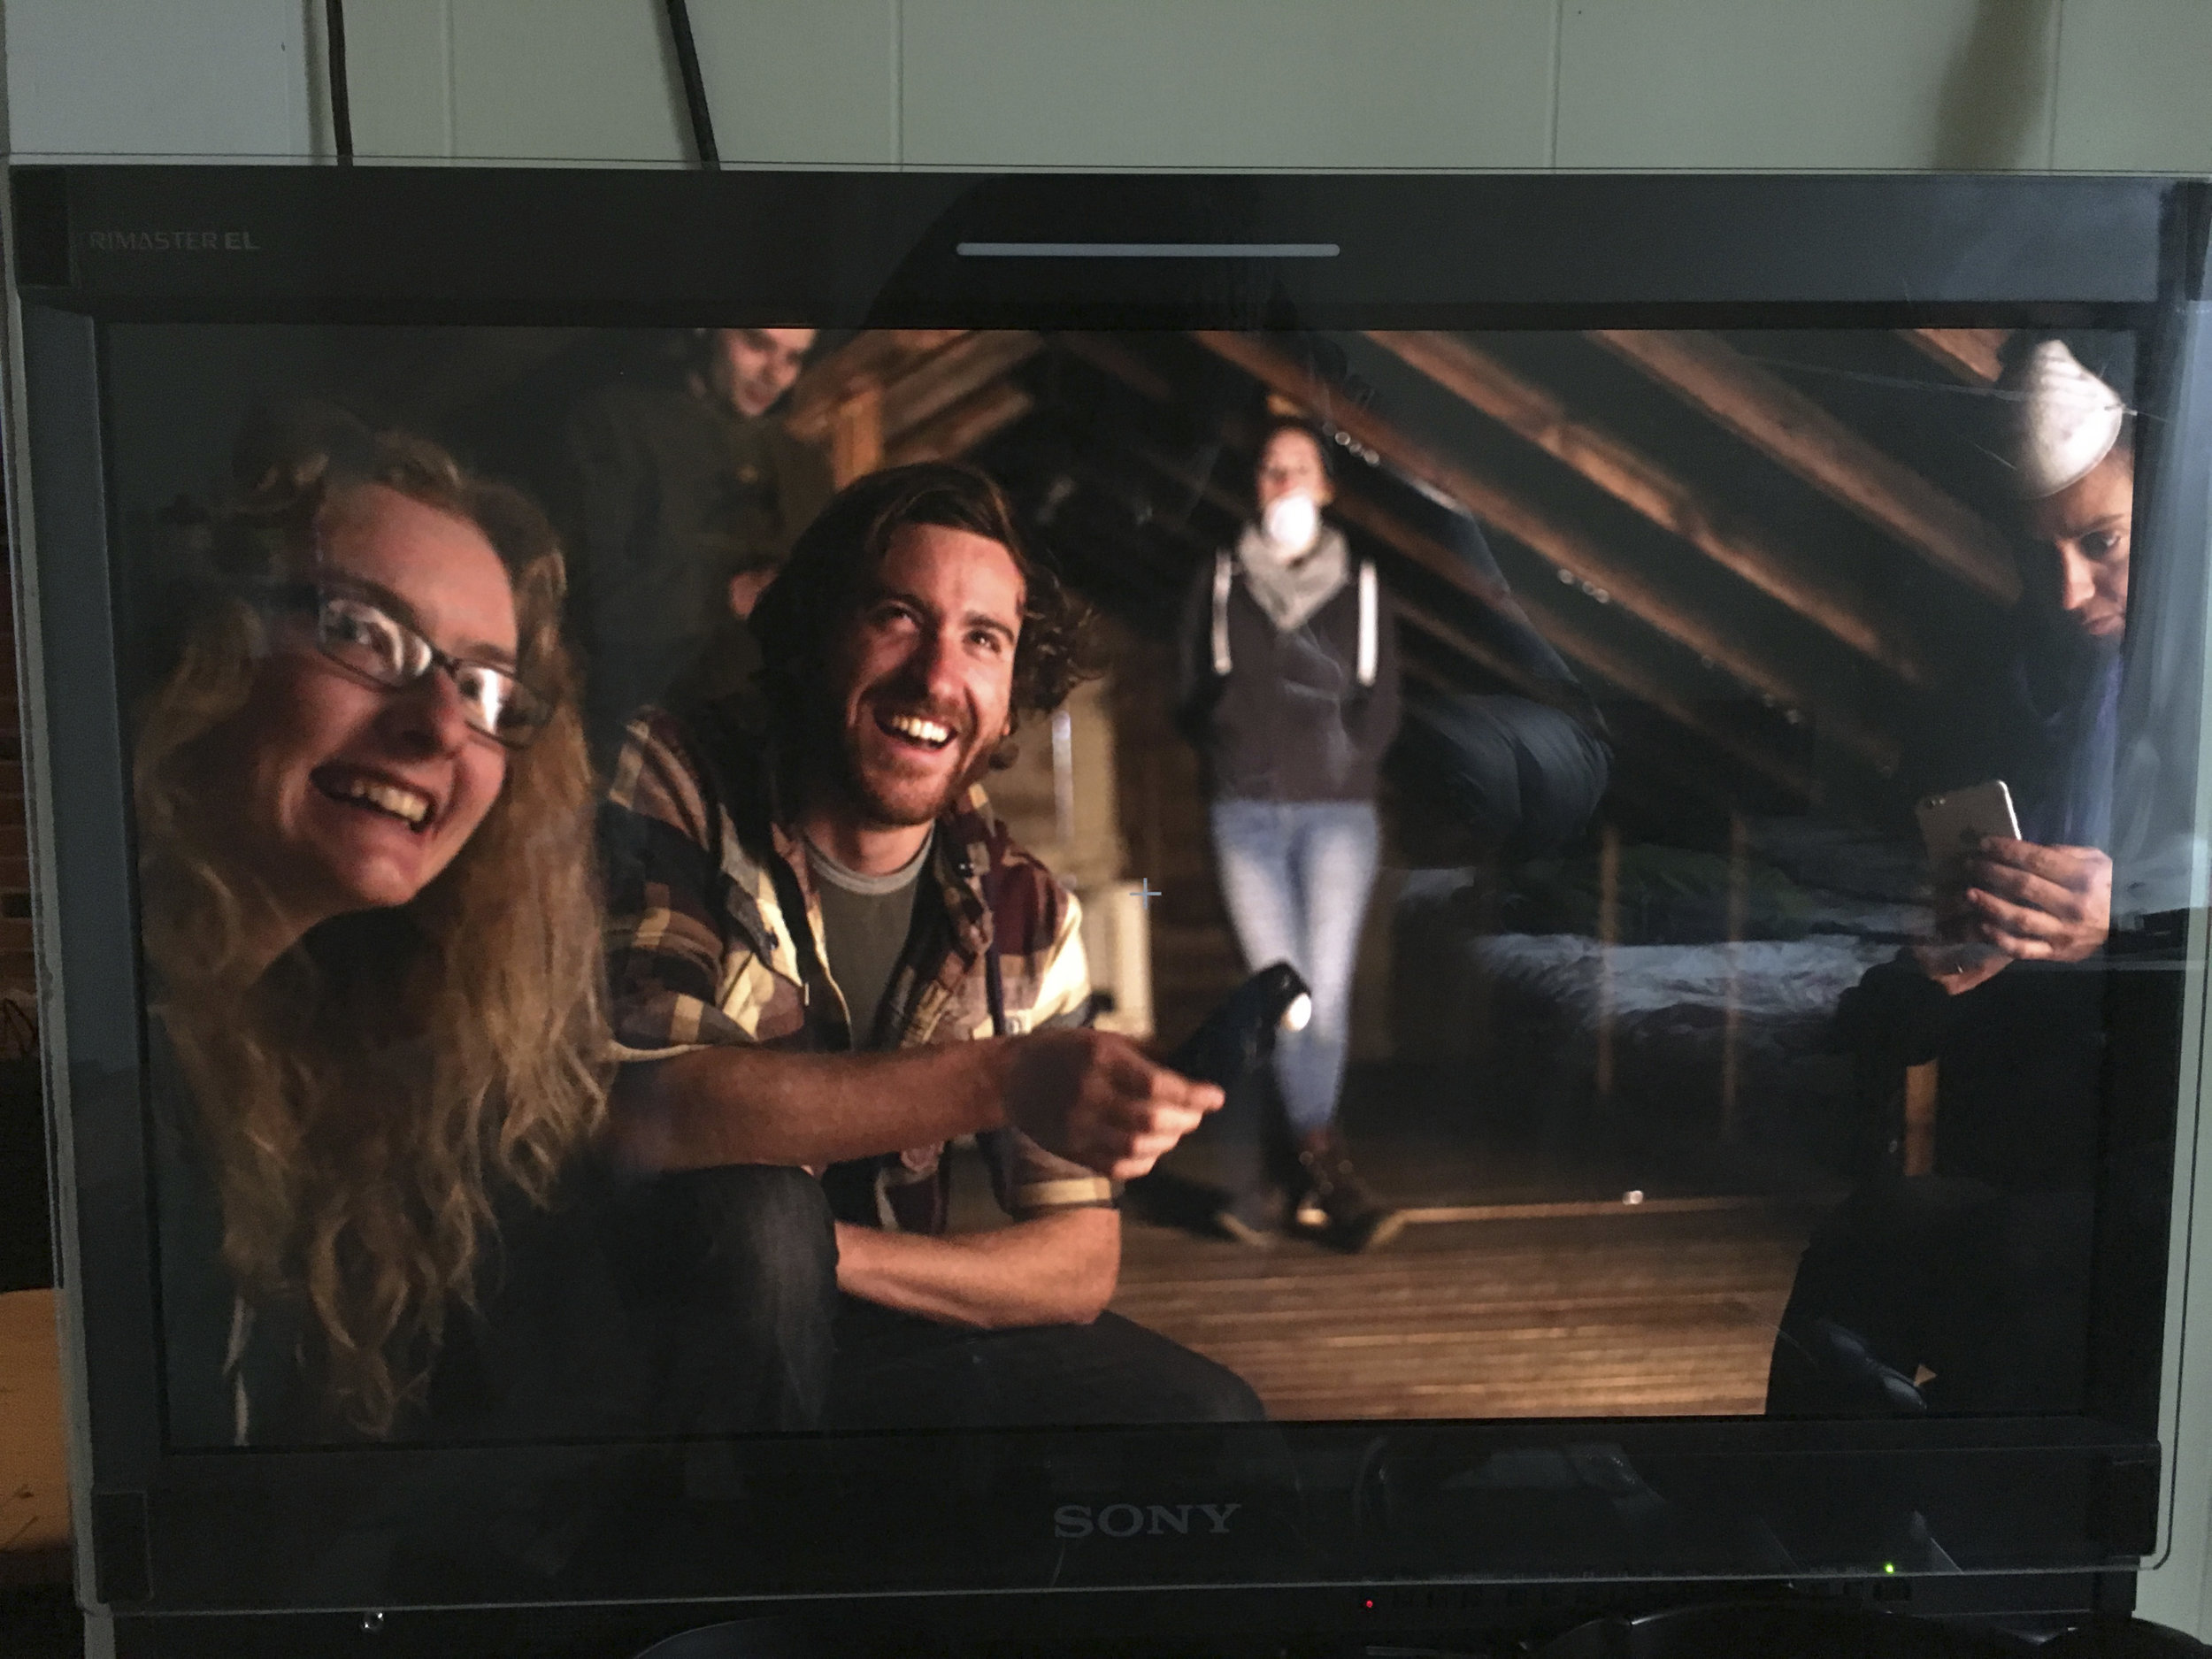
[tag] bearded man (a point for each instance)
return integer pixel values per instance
(829, 960)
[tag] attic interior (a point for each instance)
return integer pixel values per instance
(1593, 1073)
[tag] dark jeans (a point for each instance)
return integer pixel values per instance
(733, 1271)
(732, 1277)
(1985, 1289)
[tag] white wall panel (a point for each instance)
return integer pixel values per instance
(1871, 84)
(210, 78)
(1228, 83)
(564, 81)
(399, 75)
(2135, 87)
(801, 82)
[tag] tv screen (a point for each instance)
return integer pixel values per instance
(779, 886)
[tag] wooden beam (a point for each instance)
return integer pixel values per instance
(1569, 640)
(1610, 663)
(1972, 354)
(1622, 784)
(1473, 650)
(942, 379)
(869, 358)
(1104, 352)
(1564, 545)
(1858, 620)
(1775, 417)
(964, 426)
(856, 435)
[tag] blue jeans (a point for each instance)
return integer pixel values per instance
(1296, 876)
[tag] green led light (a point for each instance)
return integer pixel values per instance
(1889, 1566)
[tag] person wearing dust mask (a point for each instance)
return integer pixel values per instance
(1967, 1289)
(1290, 688)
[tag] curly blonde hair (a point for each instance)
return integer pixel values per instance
(360, 1102)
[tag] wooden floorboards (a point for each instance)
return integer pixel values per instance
(1627, 1312)
(1603, 1310)
(34, 1479)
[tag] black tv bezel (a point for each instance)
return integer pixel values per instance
(115, 244)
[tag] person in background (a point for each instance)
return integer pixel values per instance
(829, 959)
(374, 950)
(1289, 686)
(681, 496)
(1967, 1289)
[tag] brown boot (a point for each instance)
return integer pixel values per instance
(1339, 1207)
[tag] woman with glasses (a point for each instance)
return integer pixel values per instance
(373, 947)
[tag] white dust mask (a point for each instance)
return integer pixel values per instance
(1292, 522)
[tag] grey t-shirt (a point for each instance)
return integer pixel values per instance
(866, 923)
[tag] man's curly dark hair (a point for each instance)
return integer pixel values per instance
(827, 579)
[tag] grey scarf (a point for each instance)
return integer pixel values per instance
(1291, 586)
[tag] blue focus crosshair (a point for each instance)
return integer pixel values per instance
(1144, 892)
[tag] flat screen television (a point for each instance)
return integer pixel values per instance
(1691, 1179)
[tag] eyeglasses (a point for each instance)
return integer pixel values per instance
(361, 635)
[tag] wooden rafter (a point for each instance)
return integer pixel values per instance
(866, 360)
(1622, 785)
(1592, 655)
(1564, 545)
(964, 367)
(856, 435)
(898, 394)
(955, 430)
(1438, 560)
(1105, 353)
(1972, 354)
(1632, 775)
(1610, 663)
(1774, 417)
(1473, 375)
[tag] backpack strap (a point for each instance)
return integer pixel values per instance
(1369, 600)
(1224, 573)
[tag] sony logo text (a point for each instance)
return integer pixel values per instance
(172, 241)
(1129, 1520)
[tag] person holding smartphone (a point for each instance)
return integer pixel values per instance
(2047, 895)
(1966, 1288)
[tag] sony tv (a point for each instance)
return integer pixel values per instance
(1699, 680)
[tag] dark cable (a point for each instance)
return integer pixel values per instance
(340, 95)
(694, 89)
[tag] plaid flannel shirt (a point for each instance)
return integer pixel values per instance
(704, 882)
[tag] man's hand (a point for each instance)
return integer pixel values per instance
(2039, 903)
(1093, 1097)
(746, 588)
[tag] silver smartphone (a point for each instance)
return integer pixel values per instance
(1953, 824)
